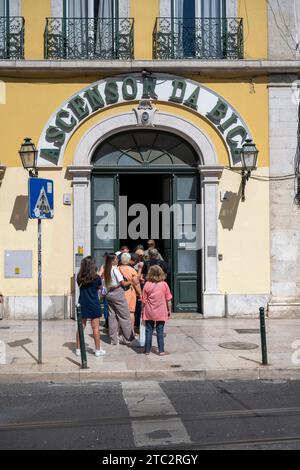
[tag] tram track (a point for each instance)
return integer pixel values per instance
(119, 421)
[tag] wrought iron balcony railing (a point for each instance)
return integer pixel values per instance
(11, 37)
(89, 38)
(198, 38)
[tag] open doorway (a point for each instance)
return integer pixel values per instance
(147, 189)
(149, 167)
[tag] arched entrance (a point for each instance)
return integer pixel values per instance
(136, 172)
(209, 174)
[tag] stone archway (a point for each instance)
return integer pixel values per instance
(209, 173)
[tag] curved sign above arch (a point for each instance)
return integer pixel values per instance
(123, 89)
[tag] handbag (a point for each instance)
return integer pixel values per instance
(125, 288)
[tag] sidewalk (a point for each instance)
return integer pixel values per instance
(193, 346)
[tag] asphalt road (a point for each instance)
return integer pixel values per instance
(191, 415)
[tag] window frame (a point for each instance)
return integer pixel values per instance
(198, 7)
(115, 8)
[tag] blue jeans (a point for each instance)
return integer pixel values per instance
(138, 312)
(160, 335)
(105, 309)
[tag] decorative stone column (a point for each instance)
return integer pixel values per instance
(284, 214)
(82, 216)
(213, 299)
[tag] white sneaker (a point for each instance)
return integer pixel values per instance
(100, 352)
(78, 352)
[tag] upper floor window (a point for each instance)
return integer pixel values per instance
(11, 32)
(4, 8)
(91, 8)
(198, 29)
(89, 29)
(198, 8)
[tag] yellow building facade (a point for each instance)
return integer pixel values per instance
(93, 77)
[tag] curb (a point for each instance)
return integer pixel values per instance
(86, 376)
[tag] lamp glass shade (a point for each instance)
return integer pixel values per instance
(28, 154)
(249, 155)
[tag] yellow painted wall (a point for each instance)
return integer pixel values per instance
(255, 15)
(19, 233)
(144, 13)
(22, 117)
(35, 13)
(240, 271)
(244, 238)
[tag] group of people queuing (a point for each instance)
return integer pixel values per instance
(135, 295)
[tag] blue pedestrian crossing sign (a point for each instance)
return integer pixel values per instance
(41, 198)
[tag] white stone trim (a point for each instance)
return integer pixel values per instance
(55, 307)
(284, 240)
(57, 8)
(124, 8)
(81, 214)
(165, 8)
(213, 301)
(240, 305)
(210, 175)
(15, 8)
(125, 121)
(231, 8)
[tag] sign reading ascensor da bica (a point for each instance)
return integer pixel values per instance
(159, 87)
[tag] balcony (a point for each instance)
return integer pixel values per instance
(11, 37)
(198, 38)
(89, 39)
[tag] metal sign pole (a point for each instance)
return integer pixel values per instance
(39, 291)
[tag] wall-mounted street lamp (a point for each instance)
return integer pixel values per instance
(29, 154)
(249, 156)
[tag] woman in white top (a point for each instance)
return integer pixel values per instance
(119, 315)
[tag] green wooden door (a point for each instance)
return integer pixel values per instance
(105, 197)
(186, 265)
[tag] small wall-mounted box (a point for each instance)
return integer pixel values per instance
(17, 264)
(67, 199)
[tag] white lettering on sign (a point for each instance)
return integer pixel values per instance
(160, 87)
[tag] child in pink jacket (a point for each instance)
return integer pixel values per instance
(156, 307)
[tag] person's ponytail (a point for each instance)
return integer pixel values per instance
(110, 258)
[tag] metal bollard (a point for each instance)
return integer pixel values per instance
(81, 337)
(263, 335)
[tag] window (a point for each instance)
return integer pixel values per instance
(198, 26)
(145, 149)
(90, 8)
(90, 28)
(11, 31)
(4, 8)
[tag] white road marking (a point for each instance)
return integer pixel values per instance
(148, 399)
